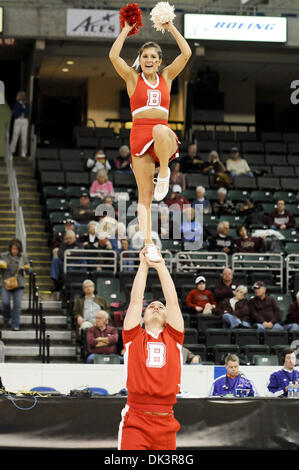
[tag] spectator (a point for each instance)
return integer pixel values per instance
(90, 241)
(224, 290)
(84, 212)
(165, 226)
(192, 163)
(200, 199)
(223, 206)
(281, 219)
(86, 307)
(127, 263)
(189, 357)
(176, 177)
(246, 244)
(137, 240)
(292, 320)
(99, 162)
(101, 187)
(101, 338)
(279, 381)
(264, 310)
(20, 114)
(233, 380)
(123, 161)
(191, 229)
(57, 264)
(58, 239)
(176, 201)
(222, 242)
(200, 300)
(13, 263)
(236, 310)
(236, 165)
(214, 165)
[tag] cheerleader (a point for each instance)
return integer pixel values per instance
(153, 144)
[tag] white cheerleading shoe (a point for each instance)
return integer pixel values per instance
(152, 253)
(162, 186)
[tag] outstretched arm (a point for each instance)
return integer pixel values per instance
(173, 69)
(173, 310)
(122, 68)
(134, 310)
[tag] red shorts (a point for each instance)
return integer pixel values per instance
(142, 431)
(141, 138)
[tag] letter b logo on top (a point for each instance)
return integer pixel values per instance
(153, 97)
(156, 356)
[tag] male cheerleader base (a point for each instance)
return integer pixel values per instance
(153, 362)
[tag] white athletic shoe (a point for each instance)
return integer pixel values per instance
(162, 187)
(153, 253)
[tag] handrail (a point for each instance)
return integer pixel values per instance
(129, 260)
(87, 259)
(39, 324)
(292, 266)
(14, 193)
(201, 260)
(257, 261)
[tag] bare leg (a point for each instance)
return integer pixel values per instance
(165, 146)
(144, 170)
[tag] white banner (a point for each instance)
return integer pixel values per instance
(93, 23)
(235, 28)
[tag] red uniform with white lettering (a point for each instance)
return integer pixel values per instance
(147, 96)
(153, 366)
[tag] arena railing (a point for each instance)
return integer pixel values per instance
(84, 259)
(38, 321)
(292, 266)
(194, 261)
(14, 192)
(129, 260)
(268, 262)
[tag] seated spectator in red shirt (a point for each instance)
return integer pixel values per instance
(176, 201)
(101, 338)
(200, 300)
(246, 244)
(264, 310)
(281, 219)
(292, 320)
(236, 310)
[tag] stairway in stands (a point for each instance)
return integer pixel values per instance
(21, 346)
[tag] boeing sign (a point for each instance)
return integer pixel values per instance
(235, 28)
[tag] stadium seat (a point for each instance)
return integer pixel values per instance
(251, 350)
(278, 351)
(43, 389)
(191, 336)
(106, 359)
(261, 196)
(253, 147)
(220, 351)
(52, 177)
(217, 336)
(57, 204)
(245, 182)
(47, 153)
(274, 337)
(197, 348)
(264, 182)
(77, 178)
(291, 184)
(193, 180)
(207, 321)
(246, 336)
(265, 360)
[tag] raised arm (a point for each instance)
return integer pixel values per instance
(173, 69)
(173, 310)
(120, 65)
(134, 310)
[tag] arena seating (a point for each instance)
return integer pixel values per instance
(273, 156)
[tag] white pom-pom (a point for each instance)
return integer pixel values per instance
(162, 13)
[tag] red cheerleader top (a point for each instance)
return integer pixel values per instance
(148, 96)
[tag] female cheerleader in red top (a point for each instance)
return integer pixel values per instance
(152, 141)
(153, 362)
